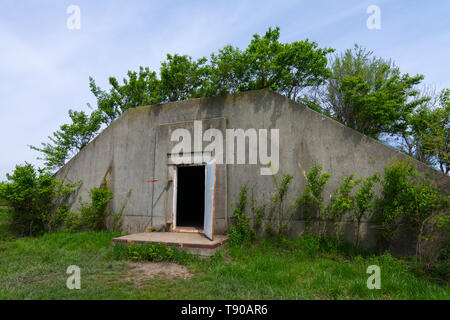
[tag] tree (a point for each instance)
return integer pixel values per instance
(139, 89)
(285, 67)
(55, 153)
(229, 71)
(431, 131)
(70, 138)
(369, 94)
(427, 135)
(182, 78)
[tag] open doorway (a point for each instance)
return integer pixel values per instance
(190, 197)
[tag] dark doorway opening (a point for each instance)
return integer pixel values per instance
(190, 196)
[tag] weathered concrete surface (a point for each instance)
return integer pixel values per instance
(135, 149)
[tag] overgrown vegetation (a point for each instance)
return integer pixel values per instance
(365, 202)
(37, 202)
(94, 214)
(407, 205)
(240, 230)
(311, 201)
(246, 227)
(33, 197)
(341, 203)
(151, 252)
(409, 202)
(6, 233)
(279, 214)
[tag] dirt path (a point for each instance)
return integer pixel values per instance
(144, 271)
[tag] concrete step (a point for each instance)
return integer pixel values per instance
(195, 243)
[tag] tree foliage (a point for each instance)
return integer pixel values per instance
(70, 138)
(287, 68)
(138, 89)
(362, 91)
(428, 138)
(369, 94)
(182, 78)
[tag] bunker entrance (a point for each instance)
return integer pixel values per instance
(190, 207)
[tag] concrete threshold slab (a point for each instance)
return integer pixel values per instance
(194, 243)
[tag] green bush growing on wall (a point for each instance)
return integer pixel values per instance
(311, 199)
(365, 200)
(258, 213)
(93, 214)
(341, 203)
(278, 210)
(240, 230)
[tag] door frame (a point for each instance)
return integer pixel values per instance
(176, 228)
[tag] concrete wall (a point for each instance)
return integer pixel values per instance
(135, 148)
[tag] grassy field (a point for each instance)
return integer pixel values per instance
(35, 268)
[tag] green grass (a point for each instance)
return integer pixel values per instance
(35, 268)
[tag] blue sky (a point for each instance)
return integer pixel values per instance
(45, 67)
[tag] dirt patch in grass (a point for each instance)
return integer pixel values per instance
(144, 271)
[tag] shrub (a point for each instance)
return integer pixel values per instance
(441, 267)
(240, 230)
(3, 203)
(93, 214)
(258, 213)
(117, 219)
(278, 208)
(365, 202)
(312, 198)
(341, 202)
(408, 201)
(34, 197)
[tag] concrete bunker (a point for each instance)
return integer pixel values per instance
(137, 153)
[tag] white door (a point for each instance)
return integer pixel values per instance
(174, 199)
(210, 193)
